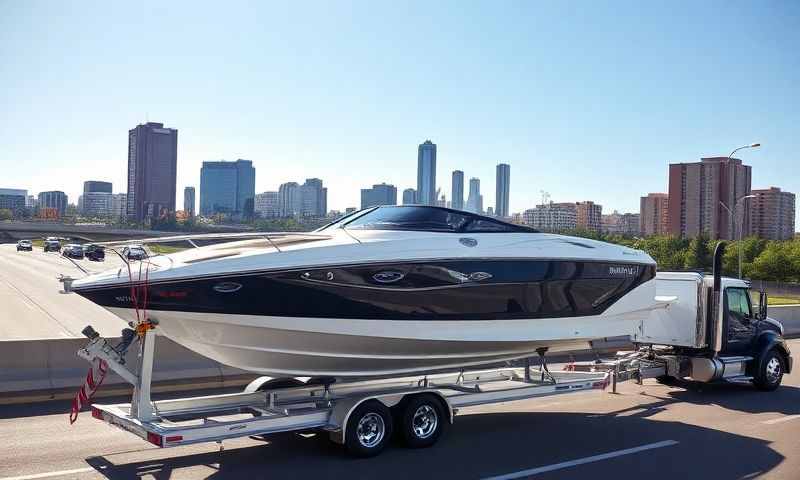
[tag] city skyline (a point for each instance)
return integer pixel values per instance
(615, 104)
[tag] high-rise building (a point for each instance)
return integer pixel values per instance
(188, 201)
(475, 199)
(654, 214)
(227, 187)
(267, 205)
(152, 170)
(620, 223)
(502, 189)
(290, 203)
(13, 199)
(457, 191)
(96, 199)
(426, 173)
(96, 186)
(697, 193)
(772, 214)
(314, 198)
(56, 200)
(119, 205)
(409, 196)
(588, 215)
(552, 217)
(380, 194)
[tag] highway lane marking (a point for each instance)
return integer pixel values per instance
(51, 474)
(581, 461)
(781, 419)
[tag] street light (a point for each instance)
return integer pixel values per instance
(752, 145)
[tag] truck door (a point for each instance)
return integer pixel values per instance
(740, 323)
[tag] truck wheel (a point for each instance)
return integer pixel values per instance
(422, 421)
(368, 429)
(770, 371)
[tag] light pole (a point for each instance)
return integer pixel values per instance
(738, 227)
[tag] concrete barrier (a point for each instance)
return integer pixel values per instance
(789, 316)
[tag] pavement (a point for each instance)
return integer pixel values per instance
(685, 431)
(32, 305)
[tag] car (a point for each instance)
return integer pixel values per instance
(25, 245)
(134, 252)
(51, 245)
(73, 250)
(95, 253)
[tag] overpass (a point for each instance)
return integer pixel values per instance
(13, 231)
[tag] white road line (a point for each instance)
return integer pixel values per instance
(781, 419)
(581, 461)
(51, 474)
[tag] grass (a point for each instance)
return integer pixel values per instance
(164, 249)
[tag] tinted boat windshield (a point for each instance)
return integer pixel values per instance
(429, 219)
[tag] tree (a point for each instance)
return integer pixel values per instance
(698, 255)
(6, 214)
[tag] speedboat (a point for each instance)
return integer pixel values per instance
(387, 290)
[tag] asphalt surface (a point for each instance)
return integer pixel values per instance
(655, 431)
(32, 305)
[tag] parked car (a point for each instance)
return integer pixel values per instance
(134, 252)
(73, 250)
(52, 245)
(25, 245)
(93, 252)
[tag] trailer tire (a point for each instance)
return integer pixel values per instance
(369, 429)
(278, 383)
(422, 421)
(770, 371)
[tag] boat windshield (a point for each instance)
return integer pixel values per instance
(429, 219)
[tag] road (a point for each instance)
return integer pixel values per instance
(660, 432)
(32, 305)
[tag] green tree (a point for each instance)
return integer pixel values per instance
(698, 255)
(6, 214)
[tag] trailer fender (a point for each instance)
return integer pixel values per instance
(343, 408)
(767, 341)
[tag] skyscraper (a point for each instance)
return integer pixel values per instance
(409, 196)
(381, 194)
(188, 201)
(96, 186)
(96, 199)
(457, 191)
(426, 173)
(502, 188)
(772, 214)
(55, 199)
(227, 187)
(653, 214)
(314, 198)
(152, 168)
(475, 199)
(697, 193)
(290, 202)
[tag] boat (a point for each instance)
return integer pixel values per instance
(384, 291)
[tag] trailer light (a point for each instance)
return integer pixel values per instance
(97, 413)
(155, 439)
(174, 438)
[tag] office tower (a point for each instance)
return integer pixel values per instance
(96, 186)
(53, 200)
(188, 201)
(290, 202)
(457, 190)
(409, 196)
(267, 205)
(152, 169)
(552, 217)
(314, 198)
(772, 214)
(13, 199)
(119, 206)
(587, 215)
(227, 187)
(503, 180)
(426, 173)
(380, 194)
(96, 199)
(475, 199)
(697, 193)
(654, 214)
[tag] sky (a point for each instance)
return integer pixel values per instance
(586, 100)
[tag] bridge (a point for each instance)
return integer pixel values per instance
(13, 231)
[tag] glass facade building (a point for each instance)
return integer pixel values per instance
(426, 173)
(503, 180)
(227, 187)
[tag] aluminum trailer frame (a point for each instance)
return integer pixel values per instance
(214, 418)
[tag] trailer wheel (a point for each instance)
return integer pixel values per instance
(368, 429)
(277, 383)
(770, 371)
(422, 421)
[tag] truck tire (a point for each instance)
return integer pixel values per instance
(422, 421)
(770, 371)
(369, 429)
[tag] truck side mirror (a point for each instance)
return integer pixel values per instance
(762, 305)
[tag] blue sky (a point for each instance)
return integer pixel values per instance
(586, 100)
